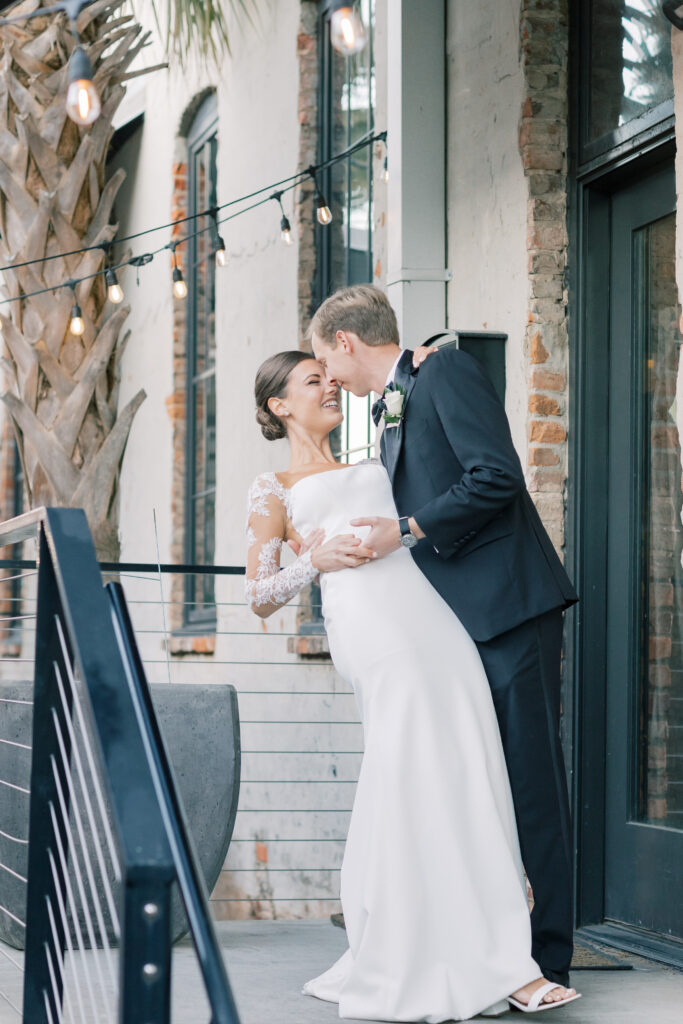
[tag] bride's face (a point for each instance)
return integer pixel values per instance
(311, 400)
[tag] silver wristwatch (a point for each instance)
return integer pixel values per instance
(408, 539)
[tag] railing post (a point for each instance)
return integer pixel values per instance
(145, 956)
(189, 878)
(44, 886)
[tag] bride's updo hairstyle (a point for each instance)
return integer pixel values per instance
(271, 382)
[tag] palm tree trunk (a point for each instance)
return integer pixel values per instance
(62, 390)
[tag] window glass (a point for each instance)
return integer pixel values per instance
(659, 715)
(630, 62)
(345, 245)
(201, 366)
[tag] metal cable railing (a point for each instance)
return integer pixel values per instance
(301, 737)
(92, 834)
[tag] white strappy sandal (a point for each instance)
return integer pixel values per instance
(535, 1005)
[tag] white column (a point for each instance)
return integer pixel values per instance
(416, 230)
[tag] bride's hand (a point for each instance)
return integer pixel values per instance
(300, 546)
(343, 552)
(421, 353)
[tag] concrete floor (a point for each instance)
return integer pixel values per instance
(268, 961)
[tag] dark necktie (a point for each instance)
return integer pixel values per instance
(377, 409)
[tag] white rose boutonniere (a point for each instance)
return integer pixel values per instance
(393, 400)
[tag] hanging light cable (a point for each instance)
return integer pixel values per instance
(285, 226)
(323, 212)
(179, 285)
(348, 34)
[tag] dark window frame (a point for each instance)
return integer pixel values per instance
(327, 149)
(203, 131)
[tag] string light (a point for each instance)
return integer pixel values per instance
(82, 99)
(77, 324)
(179, 285)
(285, 226)
(114, 289)
(323, 212)
(285, 230)
(220, 253)
(348, 34)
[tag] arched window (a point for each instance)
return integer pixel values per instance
(200, 391)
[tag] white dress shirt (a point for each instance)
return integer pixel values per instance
(392, 371)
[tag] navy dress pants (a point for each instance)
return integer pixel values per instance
(523, 669)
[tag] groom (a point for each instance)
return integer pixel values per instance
(473, 530)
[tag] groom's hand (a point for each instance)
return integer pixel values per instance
(314, 539)
(385, 534)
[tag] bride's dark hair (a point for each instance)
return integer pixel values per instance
(271, 382)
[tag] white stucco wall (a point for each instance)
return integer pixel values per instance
(486, 188)
(256, 311)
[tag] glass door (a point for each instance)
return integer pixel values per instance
(644, 615)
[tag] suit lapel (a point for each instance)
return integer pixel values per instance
(392, 438)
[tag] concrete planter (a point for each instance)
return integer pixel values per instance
(200, 725)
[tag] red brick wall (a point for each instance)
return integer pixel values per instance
(543, 146)
(304, 217)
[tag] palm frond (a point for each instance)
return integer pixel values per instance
(199, 27)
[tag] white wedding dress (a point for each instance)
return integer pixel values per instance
(431, 884)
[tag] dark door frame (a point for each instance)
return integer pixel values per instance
(589, 190)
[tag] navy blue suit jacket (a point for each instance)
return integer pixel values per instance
(454, 468)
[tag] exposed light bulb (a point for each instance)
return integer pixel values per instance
(114, 289)
(348, 34)
(82, 99)
(323, 213)
(285, 230)
(77, 325)
(179, 286)
(220, 253)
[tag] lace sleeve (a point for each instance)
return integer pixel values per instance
(267, 586)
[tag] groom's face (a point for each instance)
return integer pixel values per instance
(343, 362)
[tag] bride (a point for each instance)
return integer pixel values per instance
(432, 885)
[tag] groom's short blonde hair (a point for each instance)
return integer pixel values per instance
(362, 309)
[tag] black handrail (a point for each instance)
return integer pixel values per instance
(123, 567)
(83, 634)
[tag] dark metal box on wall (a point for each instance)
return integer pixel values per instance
(486, 346)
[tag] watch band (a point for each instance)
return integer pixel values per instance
(404, 524)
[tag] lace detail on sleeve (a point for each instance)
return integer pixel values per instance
(267, 586)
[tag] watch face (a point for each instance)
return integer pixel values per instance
(408, 540)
